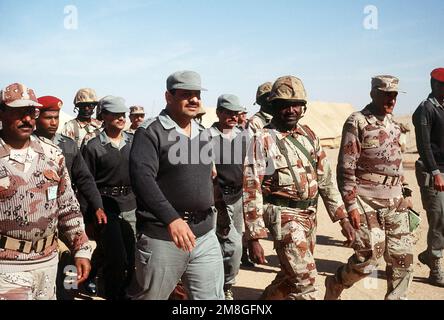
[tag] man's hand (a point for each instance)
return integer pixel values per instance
(182, 235)
(348, 231)
(256, 252)
(83, 266)
(439, 182)
(355, 218)
(101, 216)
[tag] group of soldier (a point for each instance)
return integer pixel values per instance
(174, 206)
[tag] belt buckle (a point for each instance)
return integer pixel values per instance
(115, 191)
(186, 216)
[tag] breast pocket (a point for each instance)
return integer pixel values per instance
(7, 187)
(282, 171)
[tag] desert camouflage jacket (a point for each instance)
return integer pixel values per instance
(267, 174)
(77, 131)
(259, 120)
(36, 203)
(370, 150)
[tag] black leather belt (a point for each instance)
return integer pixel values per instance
(290, 203)
(195, 217)
(115, 191)
(229, 190)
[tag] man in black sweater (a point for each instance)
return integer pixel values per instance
(171, 171)
(429, 128)
(230, 143)
(107, 157)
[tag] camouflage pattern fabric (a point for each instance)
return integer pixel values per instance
(30, 285)
(86, 131)
(267, 174)
(259, 120)
(35, 204)
(295, 251)
(384, 233)
(369, 146)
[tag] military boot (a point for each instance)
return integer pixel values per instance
(436, 276)
(333, 288)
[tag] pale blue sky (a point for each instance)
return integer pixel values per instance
(128, 48)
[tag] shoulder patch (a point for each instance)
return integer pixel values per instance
(148, 122)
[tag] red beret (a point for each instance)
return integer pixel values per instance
(50, 103)
(438, 74)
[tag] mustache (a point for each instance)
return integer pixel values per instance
(26, 125)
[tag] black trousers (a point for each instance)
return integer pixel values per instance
(118, 247)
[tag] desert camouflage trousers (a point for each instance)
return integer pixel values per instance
(38, 284)
(384, 233)
(294, 245)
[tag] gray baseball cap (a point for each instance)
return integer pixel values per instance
(230, 102)
(185, 80)
(113, 104)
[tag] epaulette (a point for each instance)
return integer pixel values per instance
(148, 122)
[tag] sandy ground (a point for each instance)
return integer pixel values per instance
(330, 253)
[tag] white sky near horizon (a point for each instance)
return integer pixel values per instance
(128, 48)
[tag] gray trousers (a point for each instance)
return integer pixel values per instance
(433, 203)
(160, 265)
(231, 245)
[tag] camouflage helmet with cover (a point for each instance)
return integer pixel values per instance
(263, 91)
(288, 88)
(86, 95)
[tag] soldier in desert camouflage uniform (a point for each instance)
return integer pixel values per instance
(36, 201)
(137, 116)
(370, 177)
(285, 171)
(84, 127)
(263, 117)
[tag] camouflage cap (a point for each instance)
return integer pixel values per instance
(86, 95)
(185, 80)
(385, 83)
(229, 102)
(288, 88)
(137, 110)
(17, 95)
(262, 90)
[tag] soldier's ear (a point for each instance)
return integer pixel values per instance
(168, 97)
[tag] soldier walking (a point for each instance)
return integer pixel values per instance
(83, 125)
(370, 179)
(107, 157)
(429, 128)
(175, 200)
(230, 143)
(36, 203)
(83, 182)
(264, 116)
(285, 172)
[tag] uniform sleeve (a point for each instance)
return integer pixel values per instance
(327, 187)
(70, 219)
(254, 169)
(144, 166)
(423, 120)
(85, 182)
(67, 130)
(346, 170)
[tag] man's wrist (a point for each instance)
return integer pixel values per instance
(436, 173)
(344, 220)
